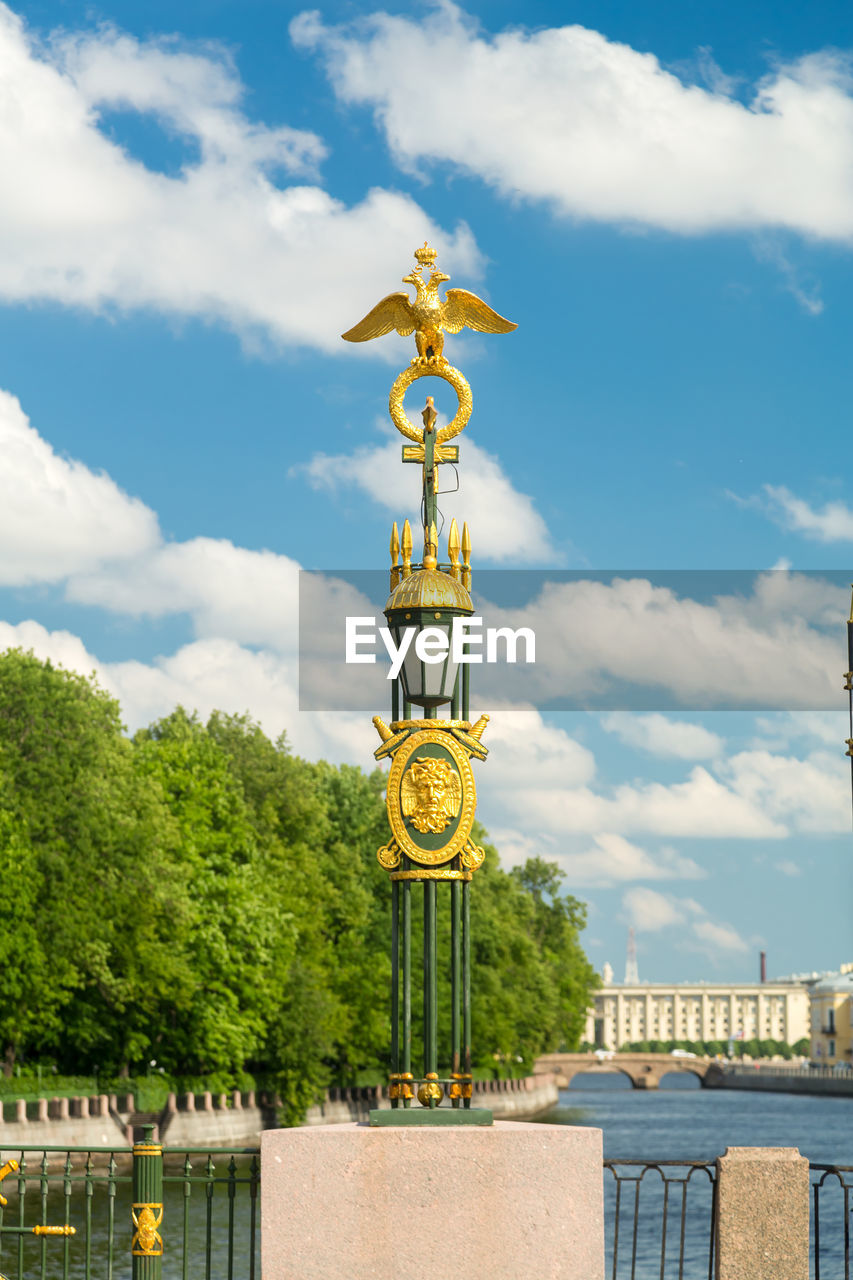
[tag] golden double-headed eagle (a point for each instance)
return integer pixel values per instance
(427, 316)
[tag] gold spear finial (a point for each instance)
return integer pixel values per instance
(429, 413)
(453, 550)
(466, 557)
(406, 545)
(394, 548)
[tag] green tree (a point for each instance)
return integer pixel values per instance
(88, 842)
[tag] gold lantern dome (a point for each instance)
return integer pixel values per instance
(426, 589)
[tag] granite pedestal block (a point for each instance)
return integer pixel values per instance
(508, 1202)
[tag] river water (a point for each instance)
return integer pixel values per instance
(681, 1121)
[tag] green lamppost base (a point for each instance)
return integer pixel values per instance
(394, 1117)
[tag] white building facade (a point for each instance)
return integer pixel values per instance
(698, 1011)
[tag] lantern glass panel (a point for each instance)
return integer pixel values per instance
(427, 684)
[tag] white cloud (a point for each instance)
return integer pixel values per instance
(701, 806)
(807, 795)
(784, 727)
(602, 131)
(230, 592)
(56, 516)
(788, 868)
(84, 223)
(661, 736)
(832, 523)
(611, 860)
(505, 522)
(704, 653)
(650, 911)
(719, 937)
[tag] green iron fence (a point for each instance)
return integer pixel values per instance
(138, 1213)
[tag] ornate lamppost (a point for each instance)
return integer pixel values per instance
(431, 795)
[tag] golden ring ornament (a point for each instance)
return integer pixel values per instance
(439, 369)
(429, 793)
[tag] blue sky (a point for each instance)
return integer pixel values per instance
(198, 201)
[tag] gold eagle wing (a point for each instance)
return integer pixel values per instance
(393, 312)
(461, 308)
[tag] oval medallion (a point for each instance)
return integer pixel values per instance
(431, 797)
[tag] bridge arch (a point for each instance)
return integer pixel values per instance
(644, 1070)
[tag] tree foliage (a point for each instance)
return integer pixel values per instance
(200, 897)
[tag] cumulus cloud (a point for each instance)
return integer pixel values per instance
(755, 794)
(230, 592)
(508, 527)
(610, 860)
(242, 234)
(57, 517)
(661, 736)
(831, 523)
(601, 131)
(650, 911)
(690, 651)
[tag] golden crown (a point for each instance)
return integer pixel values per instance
(426, 255)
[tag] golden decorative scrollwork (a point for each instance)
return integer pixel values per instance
(440, 369)
(388, 856)
(473, 856)
(425, 873)
(146, 1242)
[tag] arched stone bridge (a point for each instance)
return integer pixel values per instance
(644, 1070)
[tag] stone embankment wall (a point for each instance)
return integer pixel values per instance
(225, 1120)
(820, 1080)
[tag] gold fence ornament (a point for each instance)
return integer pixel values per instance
(146, 1242)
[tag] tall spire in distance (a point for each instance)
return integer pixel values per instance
(632, 977)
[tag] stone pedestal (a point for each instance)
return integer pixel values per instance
(762, 1214)
(350, 1202)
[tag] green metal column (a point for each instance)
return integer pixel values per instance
(466, 981)
(147, 1211)
(395, 980)
(430, 1011)
(407, 982)
(455, 978)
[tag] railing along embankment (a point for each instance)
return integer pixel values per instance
(780, 1079)
(227, 1119)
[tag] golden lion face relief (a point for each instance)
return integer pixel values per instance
(431, 794)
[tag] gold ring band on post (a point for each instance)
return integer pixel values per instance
(441, 369)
